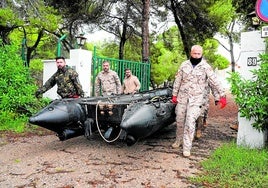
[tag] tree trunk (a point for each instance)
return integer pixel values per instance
(123, 35)
(31, 49)
(232, 53)
(179, 25)
(231, 42)
(145, 30)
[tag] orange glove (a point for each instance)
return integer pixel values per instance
(174, 100)
(223, 102)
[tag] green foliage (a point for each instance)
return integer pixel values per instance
(8, 17)
(132, 49)
(167, 55)
(252, 95)
(43, 16)
(37, 65)
(210, 53)
(165, 66)
(34, 23)
(46, 47)
(16, 90)
(222, 12)
(109, 50)
(232, 166)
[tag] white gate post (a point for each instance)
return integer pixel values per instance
(82, 61)
(252, 45)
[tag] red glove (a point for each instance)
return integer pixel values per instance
(174, 100)
(223, 102)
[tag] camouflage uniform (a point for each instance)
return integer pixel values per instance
(200, 123)
(190, 88)
(108, 82)
(67, 82)
(131, 84)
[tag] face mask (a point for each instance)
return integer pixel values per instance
(195, 61)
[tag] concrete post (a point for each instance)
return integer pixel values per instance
(252, 45)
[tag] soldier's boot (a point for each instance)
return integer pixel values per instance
(205, 122)
(198, 134)
(179, 135)
(186, 153)
(199, 127)
(176, 144)
(234, 127)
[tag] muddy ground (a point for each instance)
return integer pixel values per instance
(41, 160)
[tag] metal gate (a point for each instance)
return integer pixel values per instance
(139, 69)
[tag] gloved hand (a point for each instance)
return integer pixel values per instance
(38, 93)
(223, 102)
(174, 100)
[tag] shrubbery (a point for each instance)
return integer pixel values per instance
(252, 95)
(17, 100)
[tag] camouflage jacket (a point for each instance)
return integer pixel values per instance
(193, 83)
(131, 84)
(67, 82)
(108, 83)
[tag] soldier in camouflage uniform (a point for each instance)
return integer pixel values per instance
(202, 119)
(66, 79)
(107, 81)
(189, 89)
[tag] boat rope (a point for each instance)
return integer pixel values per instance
(97, 123)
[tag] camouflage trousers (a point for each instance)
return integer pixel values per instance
(200, 122)
(186, 116)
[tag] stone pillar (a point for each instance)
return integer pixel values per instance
(252, 45)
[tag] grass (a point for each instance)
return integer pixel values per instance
(233, 166)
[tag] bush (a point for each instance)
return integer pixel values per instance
(17, 88)
(252, 95)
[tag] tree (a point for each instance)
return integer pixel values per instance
(79, 16)
(193, 21)
(34, 20)
(122, 24)
(131, 20)
(167, 54)
(232, 37)
(213, 58)
(145, 30)
(8, 22)
(236, 14)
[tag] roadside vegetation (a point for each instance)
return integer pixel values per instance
(17, 87)
(248, 93)
(234, 166)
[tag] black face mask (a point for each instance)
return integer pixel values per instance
(195, 61)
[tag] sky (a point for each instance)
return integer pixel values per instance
(98, 36)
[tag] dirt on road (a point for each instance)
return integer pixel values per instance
(43, 161)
